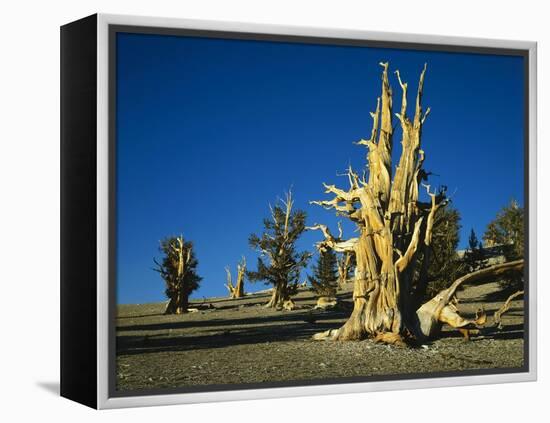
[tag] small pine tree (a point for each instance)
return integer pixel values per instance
(475, 257)
(324, 281)
(178, 269)
(445, 266)
(507, 231)
(279, 263)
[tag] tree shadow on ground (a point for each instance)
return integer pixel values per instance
(499, 296)
(219, 333)
(303, 299)
(285, 317)
(128, 345)
(490, 332)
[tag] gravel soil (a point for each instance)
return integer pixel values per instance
(239, 341)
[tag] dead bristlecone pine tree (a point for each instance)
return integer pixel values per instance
(279, 263)
(237, 290)
(178, 269)
(393, 226)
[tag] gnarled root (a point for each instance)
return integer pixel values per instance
(328, 335)
(277, 298)
(430, 324)
(390, 338)
(289, 305)
(450, 315)
(325, 303)
(354, 329)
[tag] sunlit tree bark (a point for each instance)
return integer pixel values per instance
(178, 270)
(237, 290)
(393, 225)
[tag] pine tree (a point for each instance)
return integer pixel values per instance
(475, 257)
(178, 269)
(279, 263)
(444, 264)
(507, 229)
(324, 281)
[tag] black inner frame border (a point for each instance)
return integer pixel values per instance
(114, 29)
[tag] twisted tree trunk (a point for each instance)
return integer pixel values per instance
(393, 225)
(279, 295)
(179, 295)
(236, 291)
(177, 304)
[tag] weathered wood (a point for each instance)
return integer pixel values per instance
(505, 307)
(325, 303)
(439, 309)
(236, 291)
(344, 264)
(174, 276)
(393, 226)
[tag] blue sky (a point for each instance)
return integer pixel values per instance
(210, 131)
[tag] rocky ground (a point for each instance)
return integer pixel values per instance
(239, 341)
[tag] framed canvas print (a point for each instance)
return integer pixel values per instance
(253, 211)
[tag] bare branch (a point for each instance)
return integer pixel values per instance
(375, 121)
(330, 241)
(492, 271)
(159, 268)
(272, 213)
(404, 86)
(352, 195)
(229, 284)
(505, 307)
(334, 204)
(288, 203)
(435, 204)
(371, 142)
(402, 263)
(418, 112)
(323, 228)
(425, 116)
(242, 264)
